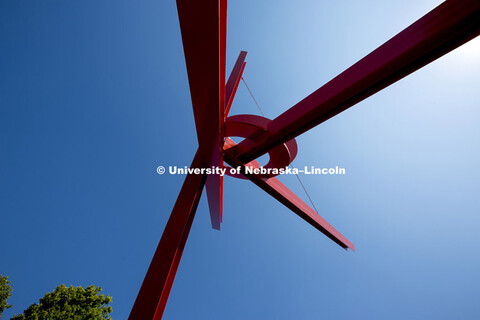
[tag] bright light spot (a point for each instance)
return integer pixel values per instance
(470, 49)
(465, 60)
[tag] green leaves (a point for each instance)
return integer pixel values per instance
(76, 303)
(5, 293)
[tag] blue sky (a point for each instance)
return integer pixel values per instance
(94, 96)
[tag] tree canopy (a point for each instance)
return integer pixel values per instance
(5, 293)
(76, 303)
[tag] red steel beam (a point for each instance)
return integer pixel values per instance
(443, 29)
(203, 27)
(211, 58)
(217, 159)
(214, 187)
(280, 192)
(214, 184)
(234, 80)
(156, 286)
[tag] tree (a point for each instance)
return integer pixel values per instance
(5, 293)
(76, 303)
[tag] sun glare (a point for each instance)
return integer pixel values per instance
(470, 49)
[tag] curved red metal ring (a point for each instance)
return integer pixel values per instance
(248, 126)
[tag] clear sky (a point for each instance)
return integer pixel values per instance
(94, 96)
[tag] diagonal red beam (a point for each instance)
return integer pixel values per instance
(280, 192)
(234, 80)
(203, 27)
(156, 286)
(176, 260)
(443, 29)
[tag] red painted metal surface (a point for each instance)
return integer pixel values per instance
(203, 25)
(280, 192)
(153, 294)
(243, 125)
(214, 184)
(234, 80)
(446, 27)
(214, 187)
(203, 28)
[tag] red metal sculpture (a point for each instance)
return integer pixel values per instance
(203, 27)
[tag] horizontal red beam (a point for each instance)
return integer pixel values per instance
(280, 192)
(445, 28)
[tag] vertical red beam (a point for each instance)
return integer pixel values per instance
(203, 28)
(214, 184)
(156, 286)
(214, 187)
